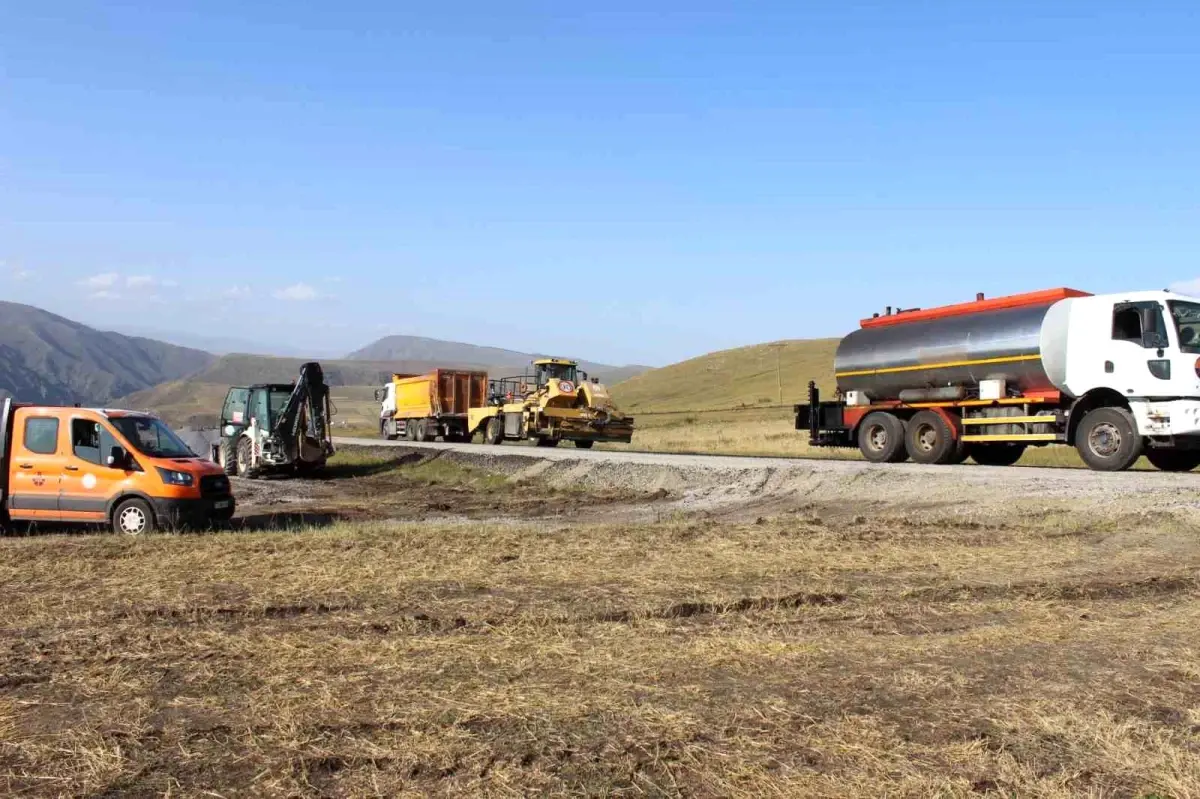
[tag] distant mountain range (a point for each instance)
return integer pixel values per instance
(47, 358)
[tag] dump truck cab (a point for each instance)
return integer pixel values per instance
(125, 469)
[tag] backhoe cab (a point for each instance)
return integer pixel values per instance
(276, 427)
(557, 402)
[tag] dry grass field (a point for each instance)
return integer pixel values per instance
(422, 627)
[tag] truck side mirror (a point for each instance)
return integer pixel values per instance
(379, 395)
(1153, 340)
(117, 458)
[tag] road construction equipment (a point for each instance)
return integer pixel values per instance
(276, 427)
(125, 469)
(1114, 375)
(423, 407)
(557, 402)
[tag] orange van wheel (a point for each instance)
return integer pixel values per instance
(133, 517)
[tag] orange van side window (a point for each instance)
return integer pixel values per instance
(41, 435)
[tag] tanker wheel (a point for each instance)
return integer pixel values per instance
(930, 439)
(1174, 460)
(881, 438)
(494, 432)
(996, 454)
(1108, 441)
(410, 430)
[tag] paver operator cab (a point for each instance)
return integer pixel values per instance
(1114, 375)
(120, 468)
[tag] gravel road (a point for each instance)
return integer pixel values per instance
(846, 480)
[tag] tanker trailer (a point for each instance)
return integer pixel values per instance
(1114, 375)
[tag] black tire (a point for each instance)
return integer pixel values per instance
(881, 438)
(1173, 460)
(133, 517)
(1108, 441)
(387, 430)
(584, 444)
(229, 457)
(995, 454)
(245, 457)
(546, 442)
(494, 432)
(426, 430)
(929, 438)
(410, 429)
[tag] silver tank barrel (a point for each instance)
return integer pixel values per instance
(952, 351)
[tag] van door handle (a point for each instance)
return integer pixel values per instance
(25, 466)
(71, 468)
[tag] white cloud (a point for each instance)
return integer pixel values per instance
(102, 281)
(237, 293)
(105, 294)
(1189, 287)
(298, 292)
(142, 281)
(16, 274)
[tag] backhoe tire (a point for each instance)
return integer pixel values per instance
(228, 451)
(930, 439)
(133, 517)
(881, 438)
(1108, 440)
(1173, 460)
(584, 444)
(494, 432)
(995, 454)
(546, 442)
(245, 457)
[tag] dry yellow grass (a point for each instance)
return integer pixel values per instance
(910, 653)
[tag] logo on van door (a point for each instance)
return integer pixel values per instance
(39, 480)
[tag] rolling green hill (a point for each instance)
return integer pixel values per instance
(758, 376)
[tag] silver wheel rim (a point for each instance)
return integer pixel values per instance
(926, 438)
(1105, 439)
(877, 437)
(132, 520)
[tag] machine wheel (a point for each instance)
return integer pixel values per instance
(1174, 460)
(584, 444)
(410, 430)
(494, 432)
(133, 517)
(228, 452)
(426, 431)
(384, 432)
(930, 439)
(546, 442)
(245, 457)
(996, 454)
(1108, 441)
(881, 438)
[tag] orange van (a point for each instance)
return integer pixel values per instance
(120, 468)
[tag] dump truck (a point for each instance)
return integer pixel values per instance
(274, 428)
(1114, 375)
(124, 469)
(424, 407)
(557, 402)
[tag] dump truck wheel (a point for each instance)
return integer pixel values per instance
(584, 444)
(133, 517)
(410, 430)
(1108, 441)
(494, 432)
(425, 430)
(385, 433)
(881, 438)
(996, 454)
(229, 457)
(245, 457)
(1173, 460)
(929, 439)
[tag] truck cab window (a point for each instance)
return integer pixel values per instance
(1186, 316)
(41, 435)
(91, 441)
(1127, 325)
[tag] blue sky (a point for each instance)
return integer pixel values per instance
(620, 184)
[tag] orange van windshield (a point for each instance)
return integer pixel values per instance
(151, 437)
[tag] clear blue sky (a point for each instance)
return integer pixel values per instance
(619, 184)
